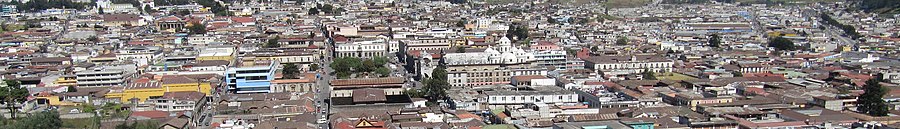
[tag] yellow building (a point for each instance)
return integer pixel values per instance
(67, 80)
(144, 89)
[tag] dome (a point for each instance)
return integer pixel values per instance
(504, 41)
(490, 50)
(508, 57)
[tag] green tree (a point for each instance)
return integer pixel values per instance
(290, 71)
(737, 74)
(414, 93)
(380, 61)
(343, 67)
(197, 28)
(313, 67)
(460, 49)
(714, 40)
(648, 74)
(273, 42)
(871, 102)
(149, 9)
(313, 11)
(327, 8)
(40, 120)
(383, 71)
(622, 40)
(13, 94)
(100, 10)
(436, 86)
(461, 23)
(71, 89)
(367, 66)
(781, 43)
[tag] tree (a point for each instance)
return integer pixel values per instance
(313, 67)
(383, 71)
(273, 42)
(149, 9)
(313, 11)
(648, 75)
(40, 120)
(290, 71)
(595, 48)
(714, 40)
(414, 93)
(327, 8)
(436, 87)
(871, 101)
(100, 10)
(344, 66)
(197, 28)
(367, 66)
(781, 43)
(93, 39)
(71, 89)
(380, 61)
(551, 20)
(461, 23)
(460, 49)
(13, 94)
(622, 40)
(737, 74)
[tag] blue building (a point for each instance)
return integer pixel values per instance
(251, 77)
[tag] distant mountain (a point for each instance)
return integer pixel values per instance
(880, 6)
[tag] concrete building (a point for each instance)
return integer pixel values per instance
(535, 94)
(621, 65)
(367, 48)
(251, 77)
(100, 77)
(493, 66)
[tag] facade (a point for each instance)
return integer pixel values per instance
(179, 101)
(251, 77)
(628, 64)
(493, 66)
(146, 89)
(100, 77)
(307, 83)
(368, 48)
(539, 94)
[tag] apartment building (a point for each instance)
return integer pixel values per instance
(100, 77)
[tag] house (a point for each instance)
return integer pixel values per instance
(119, 20)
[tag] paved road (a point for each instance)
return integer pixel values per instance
(324, 87)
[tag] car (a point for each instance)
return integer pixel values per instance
(322, 121)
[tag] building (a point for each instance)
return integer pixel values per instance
(366, 48)
(528, 95)
(145, 88)
(251, 77)
(623, 65)
(118, 20)
(100, 77)
(493, 66)
(306, 83)
(179, 101)
(225, 53)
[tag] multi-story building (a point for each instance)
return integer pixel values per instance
(493, 66)
(251, 77)
(529, 95)
(100, 77)
(366, 48)
(179, 101)
(143, 89)
(302, 58)
(306, 83)
(619, 65)
(225, 52)
(141, 55)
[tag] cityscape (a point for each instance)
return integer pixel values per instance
(449, 64)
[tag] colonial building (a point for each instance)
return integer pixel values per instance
(628, 64)
(366, 48)
(493, 66)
